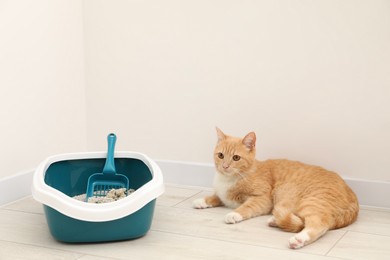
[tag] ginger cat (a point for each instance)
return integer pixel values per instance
(302, 198)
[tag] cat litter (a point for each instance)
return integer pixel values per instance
(111, 196)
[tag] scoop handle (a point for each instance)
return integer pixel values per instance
(109, 166)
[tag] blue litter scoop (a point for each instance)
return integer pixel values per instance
(99, 184)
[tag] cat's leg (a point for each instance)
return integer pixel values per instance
(315, 227)
(284, 218)
(207, 202)
(252, 207)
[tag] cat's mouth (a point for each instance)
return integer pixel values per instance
(228, 172)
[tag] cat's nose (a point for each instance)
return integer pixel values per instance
(225, 166)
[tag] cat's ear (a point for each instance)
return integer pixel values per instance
(250, 140)
(220, 134)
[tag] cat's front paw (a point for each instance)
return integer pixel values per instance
(233, 217)
(200, 204)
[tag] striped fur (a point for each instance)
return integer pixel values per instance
(302, 198)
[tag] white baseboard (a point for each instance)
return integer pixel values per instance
(190, 174)
(15, 187)
(370, 193)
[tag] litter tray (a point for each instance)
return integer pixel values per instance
(59, 178)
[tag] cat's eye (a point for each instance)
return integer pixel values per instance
(236, 157)
(220, 155)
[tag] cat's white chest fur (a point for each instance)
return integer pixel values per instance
(221, 186)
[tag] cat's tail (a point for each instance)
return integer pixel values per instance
(288, 221)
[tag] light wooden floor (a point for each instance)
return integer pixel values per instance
(180, 232)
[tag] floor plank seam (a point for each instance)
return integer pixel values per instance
(174, 206)
(368, 233)
(40, 246)
(335, 244)
(82, 254)
(22, 211)
(100, 256)
(240, 243)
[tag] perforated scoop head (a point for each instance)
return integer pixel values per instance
(99, 184)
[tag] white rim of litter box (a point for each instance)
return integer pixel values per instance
(97, 212)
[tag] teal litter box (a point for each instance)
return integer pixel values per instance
(60, 177)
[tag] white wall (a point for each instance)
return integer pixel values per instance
(42, 101)
(312, 78)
